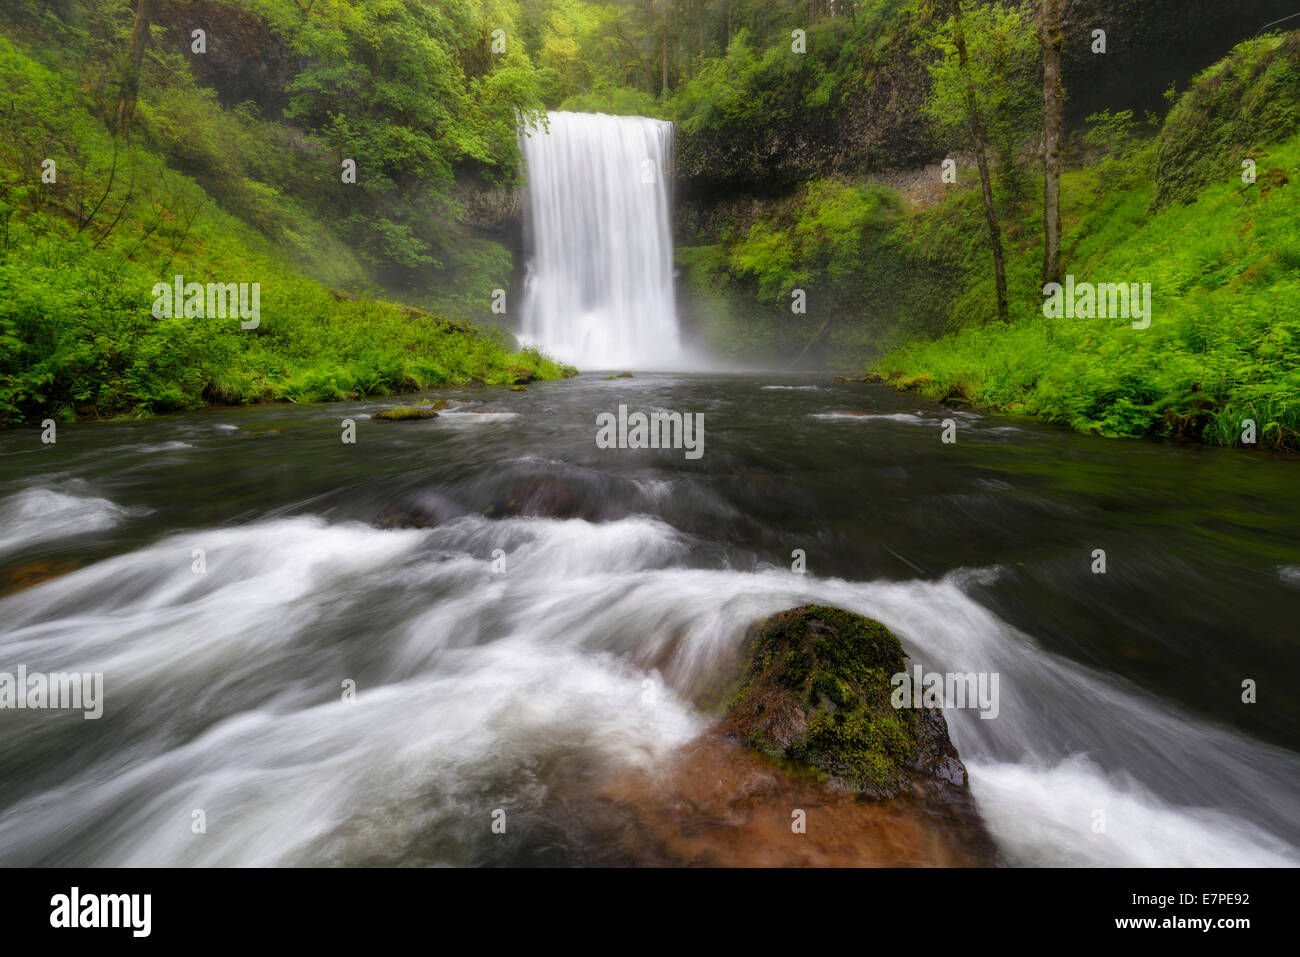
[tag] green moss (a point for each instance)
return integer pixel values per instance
(915, 383)
(835, 666)
(404, 413)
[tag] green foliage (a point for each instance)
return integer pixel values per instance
(1003, 57)
(851, 248)
(824, 245)
(79, 258)
(616, 101)
(411, 91)
(750, 87)
(1223, 344)
(1231, 111)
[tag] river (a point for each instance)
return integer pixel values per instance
(224, 572)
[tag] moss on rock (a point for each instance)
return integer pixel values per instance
(815, 695)
(405, 413)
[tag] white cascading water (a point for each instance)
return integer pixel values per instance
(599, 286)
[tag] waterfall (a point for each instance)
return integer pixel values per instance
(599, 285)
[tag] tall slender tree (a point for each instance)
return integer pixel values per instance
(981, 158)
(129, 89)
(663, 90)
(1053, 124)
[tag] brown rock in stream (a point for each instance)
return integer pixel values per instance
(812, 766)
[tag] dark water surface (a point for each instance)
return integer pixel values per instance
(607, 638)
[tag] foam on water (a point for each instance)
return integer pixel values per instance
(475, 689)
(44, 515)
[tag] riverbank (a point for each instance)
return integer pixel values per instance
(130, 288)
(1198, 212)
(1219, 361)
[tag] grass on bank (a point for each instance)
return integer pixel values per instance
(1224, 341)
(79, 258)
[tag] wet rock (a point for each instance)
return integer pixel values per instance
(519, 388)
(872, 377)
(405, 516)
(405, 413)
(541, 498)
(521, 375)
(815, 699)
(716, 804)
(475, 383)
(34, 572)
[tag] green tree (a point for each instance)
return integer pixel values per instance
(1053, 130)
(981, 96)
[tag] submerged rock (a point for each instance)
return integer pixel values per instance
(34, 572)
(539, 498)
(401, 516)
(405, 413)
(815, 699)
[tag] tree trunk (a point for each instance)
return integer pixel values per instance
(981, 158)
(650, 56)
(1053, 123)
(663, 90)
(130, 88)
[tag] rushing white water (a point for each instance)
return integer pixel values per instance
(599, 286)
(43, 515)
(478, 690)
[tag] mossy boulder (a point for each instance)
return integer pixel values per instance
(815, 697)
(405, 413)
(520, 375)
(914, 383)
